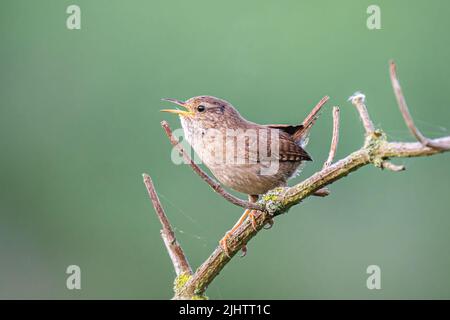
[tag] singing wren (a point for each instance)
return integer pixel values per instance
(245, 156)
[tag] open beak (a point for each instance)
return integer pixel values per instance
(185, 113)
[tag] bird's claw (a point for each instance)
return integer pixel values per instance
(269, 224)
(223, 244)
(244, 251)
(252, 216)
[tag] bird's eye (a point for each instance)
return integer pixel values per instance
(201, 108)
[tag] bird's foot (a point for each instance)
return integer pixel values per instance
(253, 215)
(223, 243)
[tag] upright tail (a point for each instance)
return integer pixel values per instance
(301, 134)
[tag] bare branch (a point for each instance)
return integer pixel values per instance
(280, 200)
(334, 138)
(358, 100)
(211, 268)
(211, 182)
(334, 143)
(376, 150)
(405, 111)
(414, 149)
(179, 261)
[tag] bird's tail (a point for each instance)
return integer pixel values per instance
(301, 135)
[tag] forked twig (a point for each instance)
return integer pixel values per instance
(405, 111)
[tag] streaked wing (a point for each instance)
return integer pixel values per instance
(290, 150)
(284, 148)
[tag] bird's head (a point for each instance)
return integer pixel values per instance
(207, 111)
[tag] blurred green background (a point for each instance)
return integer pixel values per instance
(79, 124)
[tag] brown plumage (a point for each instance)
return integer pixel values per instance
(243, 155)
(208, 121)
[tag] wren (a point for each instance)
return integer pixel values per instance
(245, 156)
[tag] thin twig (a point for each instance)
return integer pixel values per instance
(405, 110)
(211, 182)
(322, 193)
(307, 124)
(333, 148)
(334, 139)
(179, 261)
(358, 100)
(414, 149)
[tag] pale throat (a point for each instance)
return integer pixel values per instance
(188, 129)
(193, 133)
(197, 136)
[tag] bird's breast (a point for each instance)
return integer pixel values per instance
(235, 164)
